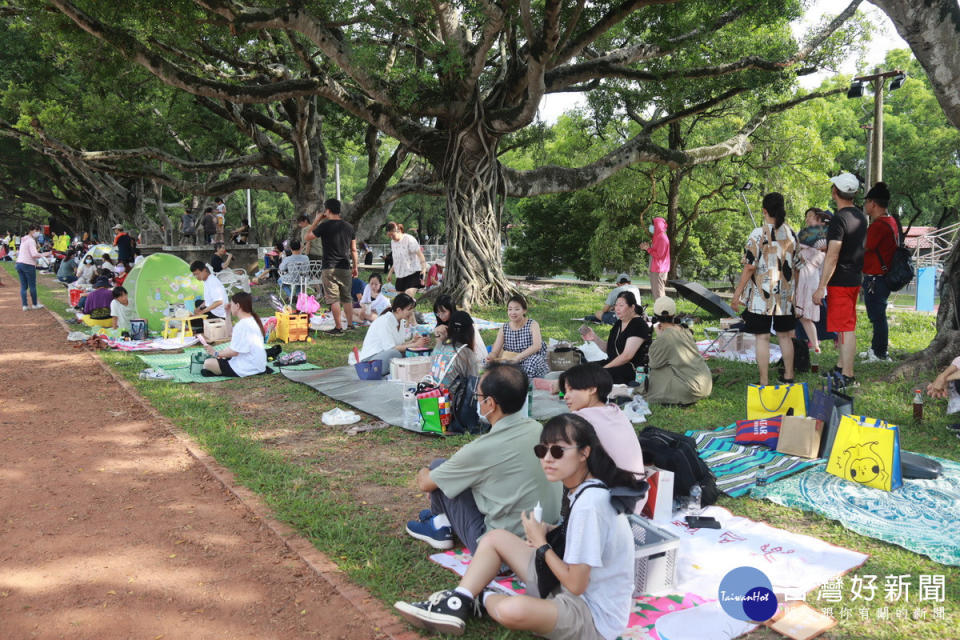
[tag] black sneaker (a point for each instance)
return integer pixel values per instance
(334, 332)
(954, 428)
(444, 611)
(850, 382)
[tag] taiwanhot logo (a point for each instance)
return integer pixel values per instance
(747, 594)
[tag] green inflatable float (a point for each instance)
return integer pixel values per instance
(159, 281)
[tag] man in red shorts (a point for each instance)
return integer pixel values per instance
(843, 269)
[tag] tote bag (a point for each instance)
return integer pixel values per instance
(776, 400)
(867, 451)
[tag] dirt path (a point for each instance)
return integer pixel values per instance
(110, 529)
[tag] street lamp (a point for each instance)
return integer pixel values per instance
(875, 164)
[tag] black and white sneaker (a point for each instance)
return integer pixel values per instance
(444, 611)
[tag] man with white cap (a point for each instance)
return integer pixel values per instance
(606, 315)
(843, 269)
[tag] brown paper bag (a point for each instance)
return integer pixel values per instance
(800, 436)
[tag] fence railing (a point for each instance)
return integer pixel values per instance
(933, 248)
(430, 251)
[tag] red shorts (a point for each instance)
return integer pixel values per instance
(842, 308)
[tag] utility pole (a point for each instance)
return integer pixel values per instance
(868, 136)
(878, 80)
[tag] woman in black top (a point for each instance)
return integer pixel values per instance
(628, 343)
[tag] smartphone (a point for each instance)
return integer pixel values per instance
(702, 522)
(584, 330)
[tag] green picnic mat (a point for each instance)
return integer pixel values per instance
(178, 365)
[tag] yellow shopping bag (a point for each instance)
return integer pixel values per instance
(867, 451)
(766, 401)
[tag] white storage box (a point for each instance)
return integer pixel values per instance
(655, 557)
(410, 369)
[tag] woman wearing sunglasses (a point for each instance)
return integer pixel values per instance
(595, 590)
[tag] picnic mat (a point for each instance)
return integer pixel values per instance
(922, 515)
(796, 564)
(735, 465)
(384, 399)
(178, 365)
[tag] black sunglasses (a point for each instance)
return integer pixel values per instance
(556, 451)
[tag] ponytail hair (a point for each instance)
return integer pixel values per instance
(402, 301)
(773, 203)
(394, 226)
(245, 301)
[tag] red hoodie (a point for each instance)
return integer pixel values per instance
(659, 247)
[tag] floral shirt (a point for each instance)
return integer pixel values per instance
(773, 253)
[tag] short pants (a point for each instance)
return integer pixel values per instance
(411, 281)
(336, 285)
(759, 323)
(842, 308)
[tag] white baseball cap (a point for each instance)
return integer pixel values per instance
(846, 182)
(664, 306)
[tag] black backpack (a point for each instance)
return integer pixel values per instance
(678, 453)
(801, 357)
(465, 418)
(900, 272)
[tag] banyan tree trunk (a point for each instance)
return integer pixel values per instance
(475, 192)
(946, 345)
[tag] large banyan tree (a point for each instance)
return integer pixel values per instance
(449, 81)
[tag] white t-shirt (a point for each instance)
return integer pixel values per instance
(122, 313)
(405, 258)
(379, 304)
(247, 341)
(599, 537)
(383, 334)
(212, 291)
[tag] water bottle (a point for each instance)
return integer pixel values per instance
(761, 480)
(917, 405)
(641, 378)
(530, 400)
(538, 512)
(693, 502)
(411, 412)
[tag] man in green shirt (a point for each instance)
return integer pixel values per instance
(489, 482)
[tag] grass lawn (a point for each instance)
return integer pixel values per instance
(350, 495)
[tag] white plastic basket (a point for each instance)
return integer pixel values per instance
(655, 557)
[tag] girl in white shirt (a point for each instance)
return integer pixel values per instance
(372, 302)
(384, 339)
(595, 592)
(246, 355)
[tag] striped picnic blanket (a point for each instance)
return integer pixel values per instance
(735, 465)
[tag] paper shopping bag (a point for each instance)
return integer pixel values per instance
(800, 436)
(776, 400)
(867, 451)
(659, 504)
(829, 407)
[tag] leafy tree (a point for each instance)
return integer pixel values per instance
(932, 28)
(449, 82)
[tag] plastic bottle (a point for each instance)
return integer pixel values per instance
(641, 377)
(761, 480)
(694, 502)
(530, 400)
(411, 412)
(917, 405)
(538, 512)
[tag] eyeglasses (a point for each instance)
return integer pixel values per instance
(478, 397)
(556, 451)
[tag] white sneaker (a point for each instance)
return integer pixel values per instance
(38, 306)
(869, 356)
(24, 307)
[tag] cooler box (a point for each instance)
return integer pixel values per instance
(215, 329)
(412, 369)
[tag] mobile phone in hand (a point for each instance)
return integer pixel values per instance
(584, 330)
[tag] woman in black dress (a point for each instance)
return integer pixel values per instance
(628, 343)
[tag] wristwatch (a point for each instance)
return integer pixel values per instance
(542, 550)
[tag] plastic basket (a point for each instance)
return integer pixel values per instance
(372, 370)
(655, 557)
(75, 295)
